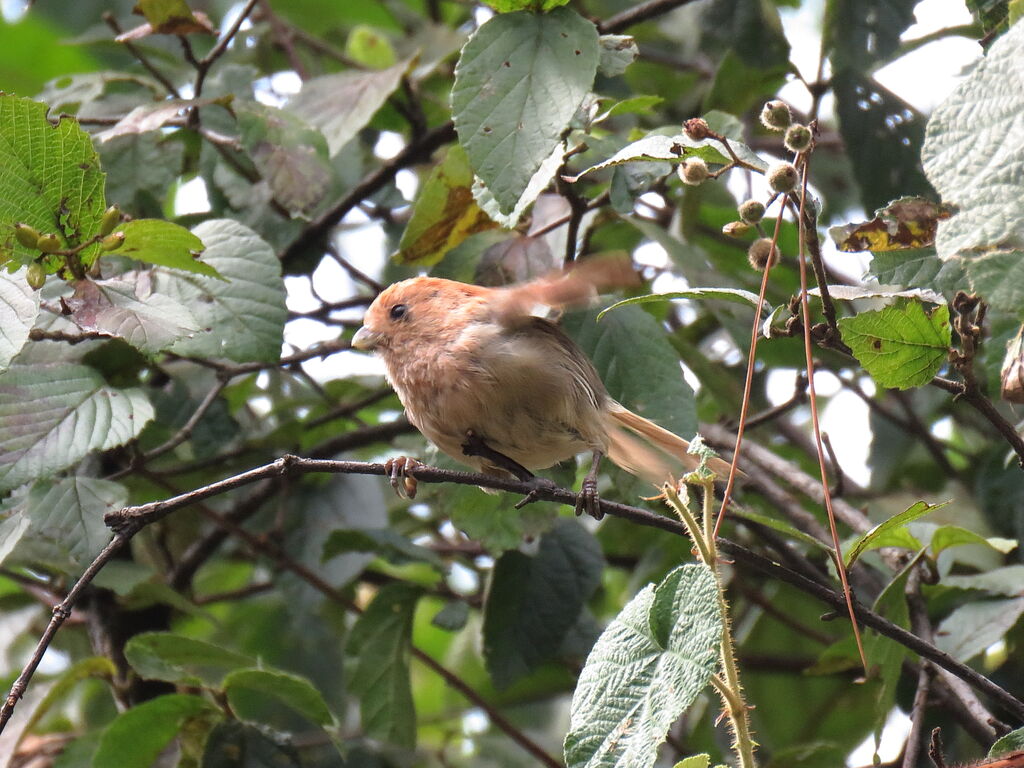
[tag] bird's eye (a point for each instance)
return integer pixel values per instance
(398, 311)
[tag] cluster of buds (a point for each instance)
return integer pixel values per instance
(48, 243)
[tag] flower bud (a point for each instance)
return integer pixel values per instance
(26, 235)
(697, 128)
(751, 211)
(783, 177)
(762, 254)
(112, 242)
(693, 171)
(735, 229)
(48, 243)
(776, 115)
(798, 138)
(110, 219)
(36, 276)
(1012, 376)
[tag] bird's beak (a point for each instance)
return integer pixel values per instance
(366, 339)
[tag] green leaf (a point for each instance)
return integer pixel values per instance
(179, 659)
(973, 627)
(160, 13)
(617, 53)
(508, 6)
(518, 82)
(634, 686)
(452, 617)
(953, 536)
(92, 667)
(21, 42)
(370, 48)
(19, 307)
(999, 278)
(640, 105)
(52, 415)
(917, 268)
(137, 736)
(900, 346)
(342, 104)
(445, 212)
(233, 744)
(638, 365)
(855, 292)
(783, 527)
(290, 155)
(534, 601)
(1011, 742)
(735, 295)
(885, 656)
(738, 85)
(1008, 581)
(50, 178)
(294, 692)
(66, 528)
(537, 184)
(870, 539)
(389, 544)
(149, 117)
(242, 315)
(381, 639)
(974, 153)
(694, 761)
(125, 307)
(164, 243)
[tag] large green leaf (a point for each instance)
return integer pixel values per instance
(519, 81)
(381, 639)
(973, 627)
(735, 295)
(137, 736)
(341, 105)
(974, 153)
(164, 243)
(294, 692)
(900, 346)
(53, 415)
(19, 306)
(241, 317)
(1011, 742)
(50, 178)
(534, 601)
(877, 536)
(180, 659)
(647, 667)
(65, 521)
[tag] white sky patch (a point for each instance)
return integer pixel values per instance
(651, 254)
(344, 365)
(191, 197)
(13, 10)
(407, 182)
(331, 281)
(275, 90)
(388, 145)
(300, 294)
(897, 728)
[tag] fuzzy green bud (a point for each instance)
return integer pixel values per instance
(110, 219)
(762, 253)
(775, 116)
(112, 242)
(36, 276)
(798, 138)
(751, 211)
(693, 171)
(26, 235)
(48, 243)
(735, 229)
(783, 177)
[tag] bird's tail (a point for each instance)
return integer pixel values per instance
(637, 457)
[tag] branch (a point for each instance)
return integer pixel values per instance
(638, 14)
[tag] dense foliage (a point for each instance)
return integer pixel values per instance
(197, 202)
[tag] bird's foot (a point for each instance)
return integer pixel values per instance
(400, 472)
(588, 500)
(538, 484)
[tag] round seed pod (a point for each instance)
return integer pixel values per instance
(697, 128)
(735, 229)
(783, 177)
(48, 243)
(693, 171)
(26, 235)
(36, 276)
(775, 116)
(110, 219)
(798, 138)
(762, 254)
(751, 211)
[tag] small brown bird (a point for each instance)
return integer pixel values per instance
(503, 390)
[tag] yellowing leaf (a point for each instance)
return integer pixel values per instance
(445, 213)
(909, 222)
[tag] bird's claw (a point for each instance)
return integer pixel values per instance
(400, 473)
(538, 484)
(588, 500)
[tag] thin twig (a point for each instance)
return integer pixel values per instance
(111, 21)
(638, 14)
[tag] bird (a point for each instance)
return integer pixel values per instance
(488, 377)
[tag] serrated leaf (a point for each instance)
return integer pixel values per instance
(294, 692)
(137, 736)
(617, 53)
(381, 639)
(342, 104)
(694, 761)
(242, 316)
(998, 278)
(65, 520)
(954, 536)
(1011, 742)
(900, 346)
(633, 687)
(973, 627)
(19, 307)
(1007, 580)
(290, 155)
(735, 295)
(974, 154)
(445, 212)
(389, 544)
(165, 244)
(50, 178)
(869, 540)
(907, 223)
(125, 307)
(532, 602)
(537, 184)
(518, 82)
(855, 292)
(180, 659)
(52, 415)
